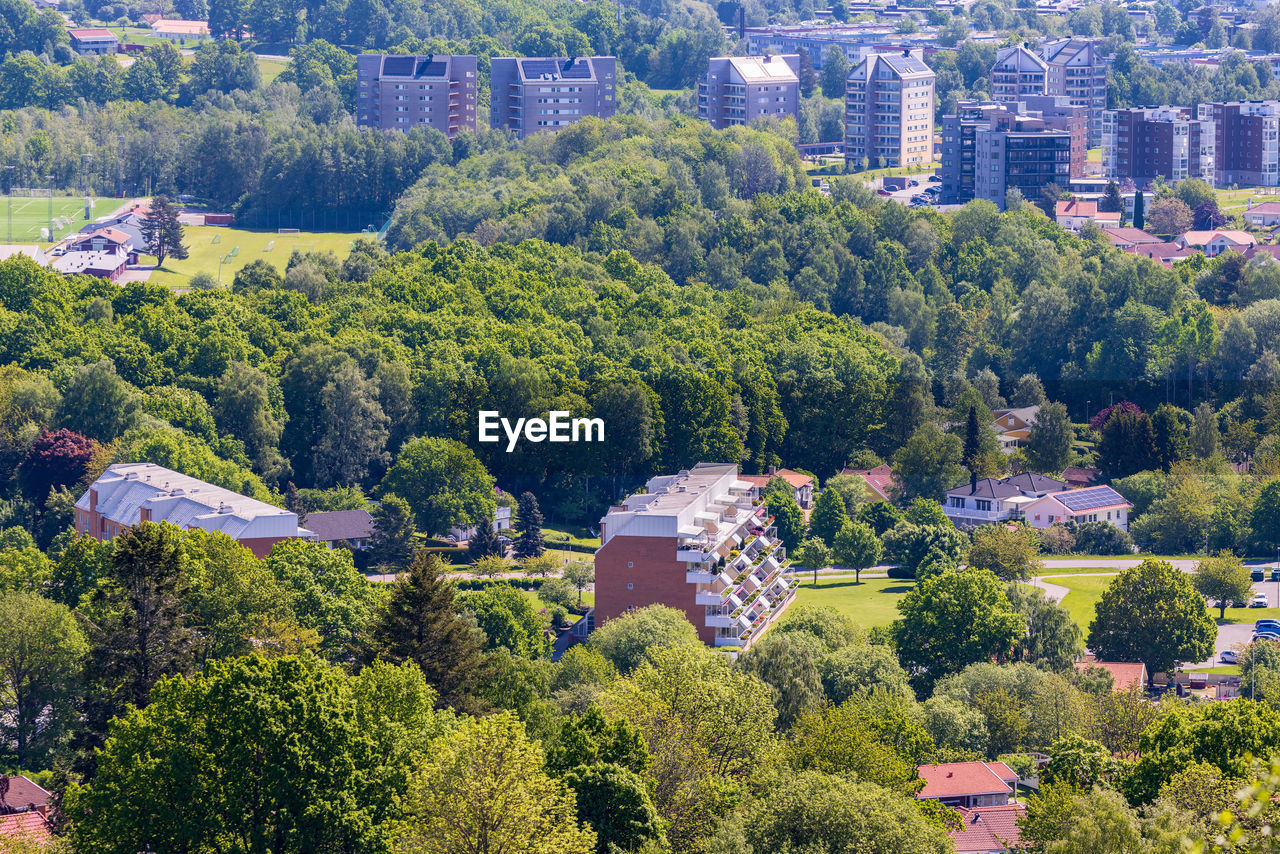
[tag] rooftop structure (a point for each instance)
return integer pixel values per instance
(1017, 72)
(402, 92)
(739, 89)
(968, 784)
(989, 500)
(535, 94)
(93, 41)
(889, 111)
(1088, 504)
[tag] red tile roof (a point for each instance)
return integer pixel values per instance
(795, 478)
(1123, 673)
(1077, 208)
(1079, 476)
(880, 479)
(988, 829)
(955, 779)
(30, 824)
(91, 33)
(1129, 236)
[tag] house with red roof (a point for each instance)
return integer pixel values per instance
(801, 483)
(1163, 253)
(988, 830)
(32, 825)
(1124, 674)
(1079, 476)
(968, 784)
(1072, 214)
(1128, 237)
(879, 480)
(93, 41)
(1214, 243)
(1090, 504)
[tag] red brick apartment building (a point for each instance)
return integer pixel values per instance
(698, 541)
(129, 493)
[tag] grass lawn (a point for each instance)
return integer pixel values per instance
(1093, 155)
(270, 69)
(32, 214)
(1237, 199)
(577, 536)
(1236, 616)
(1084, 596)
(874, 602)
(208, 244)
(1050, 571)
(1221, 670)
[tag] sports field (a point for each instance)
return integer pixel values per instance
(32, 214)
(208, 245)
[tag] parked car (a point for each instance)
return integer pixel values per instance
(1269, 636)
(1275, 573)
(934, 179)
(1258, 601)
(1267, 625)
(1229, 657)
(1258, 575)
(883, 192)
(913, 183)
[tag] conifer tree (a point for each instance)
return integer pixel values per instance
(972, 454)
(529, 524)
(162, 231)
(485, 541)
(392, 538)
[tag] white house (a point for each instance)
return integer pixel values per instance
(501, 522)
(1214, 243)
(1264, 215)
(1091, 504)
(1071, 215)
(990, 500)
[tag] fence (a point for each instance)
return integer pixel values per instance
(314, 219)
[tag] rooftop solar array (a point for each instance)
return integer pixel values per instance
(429, 67)
(1077, 500)
(398, 66)
(577, 70)
(539, 67)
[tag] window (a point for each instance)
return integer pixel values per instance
(983, 504)
(957, 502)
(630, 586)
(630, 565)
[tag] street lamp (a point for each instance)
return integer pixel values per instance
(49, 180)
(8, 191)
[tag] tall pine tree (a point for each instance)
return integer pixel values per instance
(1139, 211)
(162, 231)
(392, 538)
(529, 523)
(484, 541)
(421, 624)
(972, 453)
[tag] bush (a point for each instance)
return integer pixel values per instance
(1101, 538)
(1057, 540)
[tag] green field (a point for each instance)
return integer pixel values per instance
(270, 69)
(1093, 155)
(874, 602)
(248, 246)
(1086, 591)
(32, 214)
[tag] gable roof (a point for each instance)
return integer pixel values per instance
(956, 779)
(1263, 249)
(1123, 673)
(794, 478)
(1079, 475)
(172, 26)
(1025, 414)
(31, 824)
(1265, 208)
(1027, 483)
(880, 479)
(95, 33)
(24, 794)
(1129, 236)
(1076, 207)
(1165, 253)
(1088, 499)
(1204, 238)
(987, 829)
(340, 525)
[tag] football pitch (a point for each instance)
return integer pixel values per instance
(211, 246)
(30, 214)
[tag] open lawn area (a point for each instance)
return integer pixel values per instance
(209, 244)
(874, 602)
(577, 536)
(30, 214)
(270, 69)
(1093, 155)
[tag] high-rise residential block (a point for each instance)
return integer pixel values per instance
(989, 148)
(889, 111)
(1246, 141)
(1141, 143)
(737, 89)
(1017, 72)
(701, 542)
(402, 92)
(536, 94)
(1078, 70)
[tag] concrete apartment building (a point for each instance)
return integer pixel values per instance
(1017, 73)
(1246, 141)
(700, 542)
(1141, 143)
(989, 148)
(545, 93)
(396, 92)
(738, 89)
(1078, 71)
(94, 41)
(130, 493)
(889, 111)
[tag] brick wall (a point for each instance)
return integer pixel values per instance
(655, 576)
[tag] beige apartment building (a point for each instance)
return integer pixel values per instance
(889, 101)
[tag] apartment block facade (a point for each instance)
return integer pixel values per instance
(1141, 143)
(395, 92)
(1078, 70)
(989, 148)
(1017, 73)
(889, 100)
(1246, 141)
(738, 89)
(698, 541)
(536, 94)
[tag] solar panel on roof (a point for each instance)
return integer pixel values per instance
(398, 66)
(430, 68)
(1087, 499)
(580, 70)
(539, 67)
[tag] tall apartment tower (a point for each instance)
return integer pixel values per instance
(737, 89)
(403, 92)
(889, 111)
(1017, 72)
(698, 541)
(1245, 141)
(1078, 70)
(1142, 143)
(541, 94)
(989, 148)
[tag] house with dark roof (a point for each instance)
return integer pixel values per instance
(1090, 504)
(1128, 237)
(989, 500)
(1163, 253)
(968, 784)
(350, 528)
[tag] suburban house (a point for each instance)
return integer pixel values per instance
(501, 522)
(701, 542)
(1264, 215)
(1263, 249)
(24, 811)
(108, 239)
(1214, 243)
(180, 31)
(129, 493)
(1073, 214)
(1090, 504)
(1128, 237)
(801, 483)
(1078, 476)
(1012, 426)
(990, 500)
(31, 826)
(968, 784)
(1164, 253)
(1124, 675)
(106, 264)
(93, 41)
(337, 528)
(879, 480)
(988, 830)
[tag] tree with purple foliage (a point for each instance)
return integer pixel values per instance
(1207, 217)
(1097, 422)
(55, 459)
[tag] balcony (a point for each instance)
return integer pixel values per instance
(699, 577)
